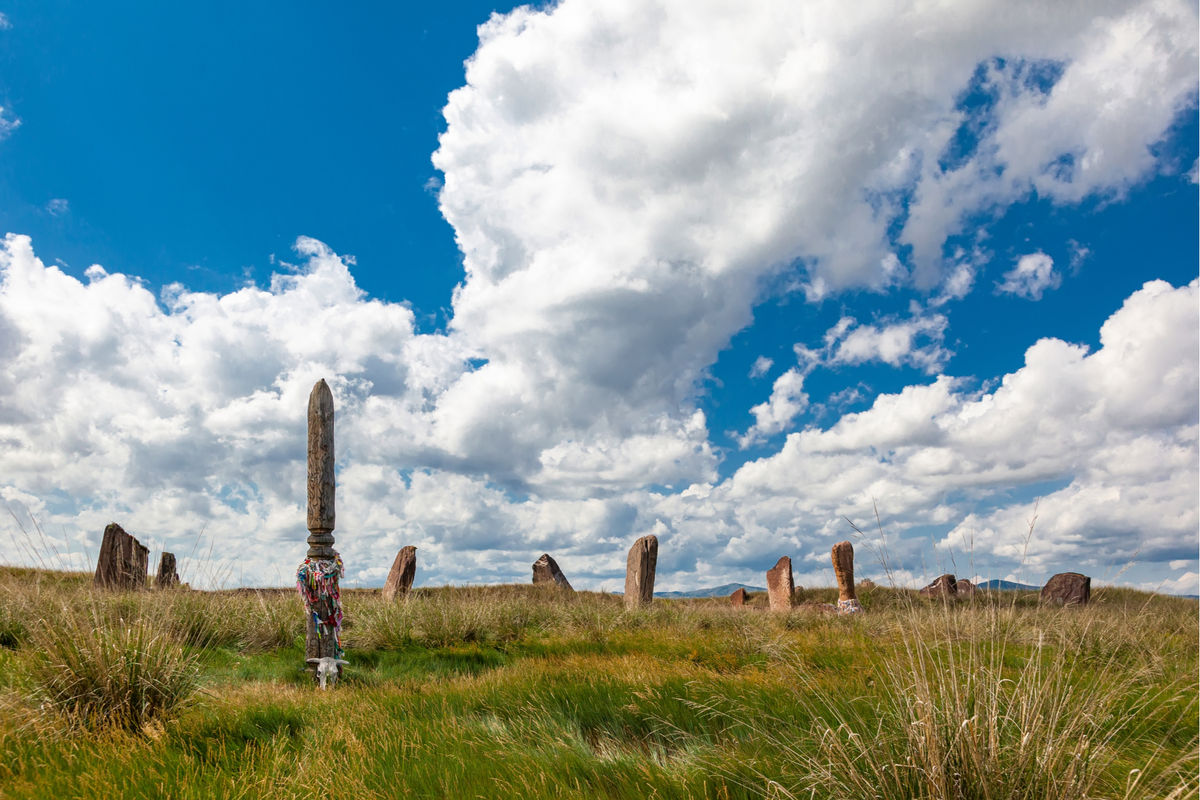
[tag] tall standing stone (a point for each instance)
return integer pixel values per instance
(122, 561)
(317, 578)
(1068, 588)
(639, 572)
(545, 570)
(843, 569)
(400, 578)
(780, 586)
(167, 576)
(738, 598)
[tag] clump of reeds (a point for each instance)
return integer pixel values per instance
(992, 701)
(95, 672)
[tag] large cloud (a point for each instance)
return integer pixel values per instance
(626, 181)
(624, 178)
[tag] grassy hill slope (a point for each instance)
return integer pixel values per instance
(525, 692)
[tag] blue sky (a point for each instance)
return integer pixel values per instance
(727, 276)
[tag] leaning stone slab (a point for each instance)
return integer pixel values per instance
(738, 598)
(944, 586)
(168, 576)
(122, 562)
(780, 586)
(545, 570)
(639, 572)
(1068, 588)
(400, 576)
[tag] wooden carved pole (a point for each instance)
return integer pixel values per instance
(317, 578)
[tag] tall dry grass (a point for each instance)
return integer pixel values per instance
(96, 674)
(989, 700)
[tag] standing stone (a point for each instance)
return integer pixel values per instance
(780, 586)
(1068, 588)
(318, 577)
(167, 576)
(843, 568)
(944, 586)
(122, 562)
(964, 588)
(400, 578)
(545, 570)
(639, 572)
(738, 598)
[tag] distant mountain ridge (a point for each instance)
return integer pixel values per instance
(723, 590)
(996, 584)
(726, 589)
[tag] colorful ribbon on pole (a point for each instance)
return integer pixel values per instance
(317, 582)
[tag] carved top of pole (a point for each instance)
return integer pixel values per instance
(320, 461)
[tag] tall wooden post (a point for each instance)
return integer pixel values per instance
(320, 472)
(317, 578)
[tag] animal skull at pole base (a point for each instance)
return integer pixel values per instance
(327, 669)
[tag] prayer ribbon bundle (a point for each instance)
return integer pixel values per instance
(317, 582)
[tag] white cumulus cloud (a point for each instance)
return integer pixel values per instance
(1031, 277)
(787, 400)
(625, 181)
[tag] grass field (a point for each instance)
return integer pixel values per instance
(520, 692)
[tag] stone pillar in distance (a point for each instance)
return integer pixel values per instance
(639, 572)
(843, 569)
(780, 586)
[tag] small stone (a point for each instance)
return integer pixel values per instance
(780, 586)
(944, 586)
(965, 588)
(167, 576)
(738, 598)
(545, 570)
(866, 583)
(122, 561)
(818, 608)
(639, 572)
(400, 577)
(1068, 588)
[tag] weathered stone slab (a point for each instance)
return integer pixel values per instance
(167, 576)
(944, 586)
(1068, 588)
(964, 588)
(122, 562)
(780, 586)
(545, 570)
(639, 572)
(738, 598)
(400, 576)
(843, 570)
